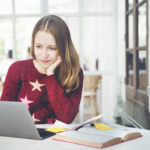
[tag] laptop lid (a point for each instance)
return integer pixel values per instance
(16, 121)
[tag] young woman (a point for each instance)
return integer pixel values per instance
(50, 84)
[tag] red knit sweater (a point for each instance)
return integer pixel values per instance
(43, 95)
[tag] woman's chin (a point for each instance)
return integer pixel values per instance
(45, 66)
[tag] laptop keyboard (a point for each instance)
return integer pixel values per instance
(45, 134)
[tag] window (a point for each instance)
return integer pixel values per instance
(27, 7)
(84, 18)
(97, 5)
(137, 61)
(24, 27)
(63, 6)
(6, 7)
(6, 36)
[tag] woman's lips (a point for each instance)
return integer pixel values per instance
(45, 61)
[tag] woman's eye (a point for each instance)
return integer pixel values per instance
(37, 46)
(52, 48)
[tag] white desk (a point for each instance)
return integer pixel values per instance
(8, 143)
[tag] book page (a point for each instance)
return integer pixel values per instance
(63, 125)
(88, 139)
(125, 133)
(89, 121)
(87, 136)
(75, 126)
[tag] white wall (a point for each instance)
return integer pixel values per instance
(112, 61)
(107, 54)
(121, 49)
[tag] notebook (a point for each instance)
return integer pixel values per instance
(16, 121)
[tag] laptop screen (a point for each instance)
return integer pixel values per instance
(16, 121)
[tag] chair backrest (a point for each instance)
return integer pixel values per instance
(91, 82)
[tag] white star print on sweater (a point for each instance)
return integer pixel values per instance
(36, 85)
(26, 101)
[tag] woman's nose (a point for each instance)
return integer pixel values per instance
(44, 53)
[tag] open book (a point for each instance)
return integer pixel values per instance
(60, 126)
(96, 140)
(91, 120)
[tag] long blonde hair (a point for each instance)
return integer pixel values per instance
(67, 72)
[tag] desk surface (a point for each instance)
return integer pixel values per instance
(10, 143)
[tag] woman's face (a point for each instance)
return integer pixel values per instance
(45, 49)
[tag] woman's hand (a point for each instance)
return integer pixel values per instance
(34, 119)
(51, 69)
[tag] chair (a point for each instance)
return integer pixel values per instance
(89, 102)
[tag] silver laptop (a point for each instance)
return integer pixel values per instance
(16, 121)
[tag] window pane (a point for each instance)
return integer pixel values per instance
(142, 70)
(139, 1)
(5, 36)
(6, 7)
(142, 25)
(24, 27)
(97, 5)
(73, 24)
(130, 34)
(27, 6)
(130, 3)
(130, 72)
(60, 6)
(97, 33)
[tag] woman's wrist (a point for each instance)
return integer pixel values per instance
(50, 73)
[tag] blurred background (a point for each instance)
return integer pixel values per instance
(111, 38)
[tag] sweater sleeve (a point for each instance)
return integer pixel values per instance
(41, 115)
(11, 85)
(65, 107)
